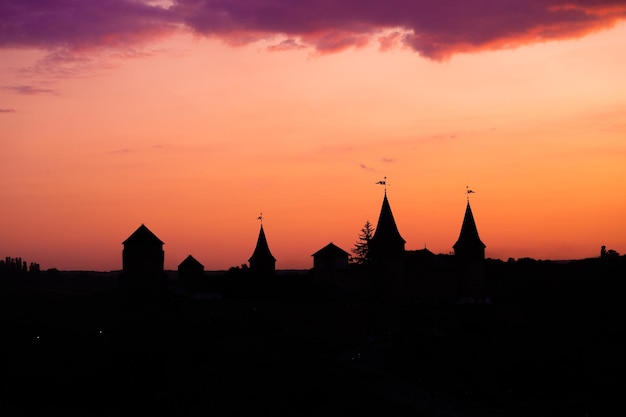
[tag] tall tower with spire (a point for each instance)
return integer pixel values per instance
(262, 261)
(387, 252)
(469, 253)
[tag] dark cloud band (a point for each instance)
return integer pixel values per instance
(434, 28)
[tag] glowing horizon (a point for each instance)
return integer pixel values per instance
(141, 115)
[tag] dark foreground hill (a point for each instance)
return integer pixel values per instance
(551, 343)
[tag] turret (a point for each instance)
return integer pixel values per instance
(469, 254)
(469, 247)
(262, 261)
(386, 242)
(387, 254)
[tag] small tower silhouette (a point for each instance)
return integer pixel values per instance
(143, 256)
(469, 253)
(262, 261)
(387, 241)
(190, 270)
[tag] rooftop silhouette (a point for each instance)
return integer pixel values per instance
(468, 238)
(143, 257)
(262, 260)
(387, 239)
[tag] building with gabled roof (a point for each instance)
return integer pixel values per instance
(262, 261)
(332, 272)
(190, 269)
(330, 258)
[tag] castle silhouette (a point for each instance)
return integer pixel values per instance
(392, 273)
(388, 336)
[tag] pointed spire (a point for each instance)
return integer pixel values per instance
(469, 253)
(387, 239)
(262, 259)
(468, 238)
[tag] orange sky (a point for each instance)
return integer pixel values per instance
(195, 137)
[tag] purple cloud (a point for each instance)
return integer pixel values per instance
(29, 90)
(434, 28)
(7, 111)
(79, 24)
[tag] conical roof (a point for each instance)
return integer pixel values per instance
(261, 251)
(142, 236)
(386, 232)
(469, 232)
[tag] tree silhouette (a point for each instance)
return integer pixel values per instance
(611, 253)
(361, 248)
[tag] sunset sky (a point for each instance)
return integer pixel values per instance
(193, 116)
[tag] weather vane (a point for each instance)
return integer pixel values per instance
(468, 192)
(260, 218)
(383, 182)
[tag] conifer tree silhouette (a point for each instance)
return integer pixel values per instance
(361, 249)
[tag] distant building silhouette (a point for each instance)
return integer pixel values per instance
(469, 253)
(143, 256)
(190, 270)
(262, 261)
(330, 258)
(392, 272)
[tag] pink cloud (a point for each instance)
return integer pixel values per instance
(436, 29)
(286, 45)
(29, 90)
(390, 40)
(7, 110)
